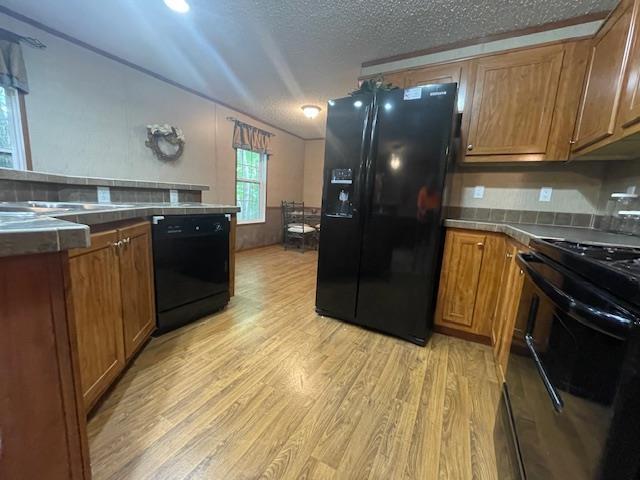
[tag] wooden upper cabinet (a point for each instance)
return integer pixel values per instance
(447, 73)
(514, 102)
(397, 79)
(630, 108)
(605, 78)
(97, 310)
(517, 106)
(460, 277)
(136, 286)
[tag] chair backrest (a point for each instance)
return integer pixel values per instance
(292, 212)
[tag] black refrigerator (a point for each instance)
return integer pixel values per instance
(386, 158)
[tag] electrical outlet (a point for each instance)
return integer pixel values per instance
(545, 194)
(173, 196)
(104, 195)
(631, 189)
(478, 192)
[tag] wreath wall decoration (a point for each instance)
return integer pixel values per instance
(166, 142)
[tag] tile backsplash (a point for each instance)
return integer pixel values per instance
(21, 191)
(584, 220)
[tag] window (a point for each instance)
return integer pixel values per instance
(11, 140)
(251, 185)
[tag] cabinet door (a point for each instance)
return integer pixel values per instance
(513, 102)
(136, 284)
(448, 73)
(630, 113)
(604, 82)
(397, 79)
(460, 277)
(94, 296)
(42, 421)
(507, 308)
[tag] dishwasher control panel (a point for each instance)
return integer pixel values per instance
(191, 225)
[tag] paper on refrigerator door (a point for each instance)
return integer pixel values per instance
(413, 93)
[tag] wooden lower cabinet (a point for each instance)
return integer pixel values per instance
(469, 283)
(94, 298)
(110, 296)
(136, 286)
(42, 422)
(481, 285)
(507, 307)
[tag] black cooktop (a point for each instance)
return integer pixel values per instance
(616, 269)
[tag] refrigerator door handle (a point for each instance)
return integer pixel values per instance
(367, 170)
(357, 188)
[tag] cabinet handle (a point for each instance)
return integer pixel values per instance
(470, 147)
(117, 245)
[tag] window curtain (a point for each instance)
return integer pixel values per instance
(12, 70)
(251, 138)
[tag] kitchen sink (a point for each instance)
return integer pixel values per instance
(57, 207)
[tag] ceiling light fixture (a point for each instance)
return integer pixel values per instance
(180, 6)
(310, 111)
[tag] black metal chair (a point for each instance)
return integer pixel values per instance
(295, 229)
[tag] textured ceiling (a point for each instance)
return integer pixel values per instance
(269, 57)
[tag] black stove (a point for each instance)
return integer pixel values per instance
(615, 269)
(574, 367)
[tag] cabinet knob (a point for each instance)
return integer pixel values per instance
(480, 245)
(470, 147)
(509, 255)
(572, 142)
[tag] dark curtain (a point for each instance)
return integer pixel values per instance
(251, 138)
(12, 70)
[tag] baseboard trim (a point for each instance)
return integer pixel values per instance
(471, 337)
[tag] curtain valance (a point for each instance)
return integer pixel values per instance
(12, 70)
(248, 137)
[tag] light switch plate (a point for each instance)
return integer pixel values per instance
(478, 192)
(173, 196)
(545, 194)
(104, 195)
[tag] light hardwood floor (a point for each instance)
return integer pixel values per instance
(269, 389)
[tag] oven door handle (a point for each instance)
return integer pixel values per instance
(554, 396)
(605, 322)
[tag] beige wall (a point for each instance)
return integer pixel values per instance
(576, 187)
(87, 115)
(619, 177)
(313, 172)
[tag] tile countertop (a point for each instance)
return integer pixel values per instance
(524, 233)
(24, 233)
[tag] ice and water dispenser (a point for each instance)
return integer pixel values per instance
(340, 193)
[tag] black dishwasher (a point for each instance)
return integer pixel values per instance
(191, 265)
